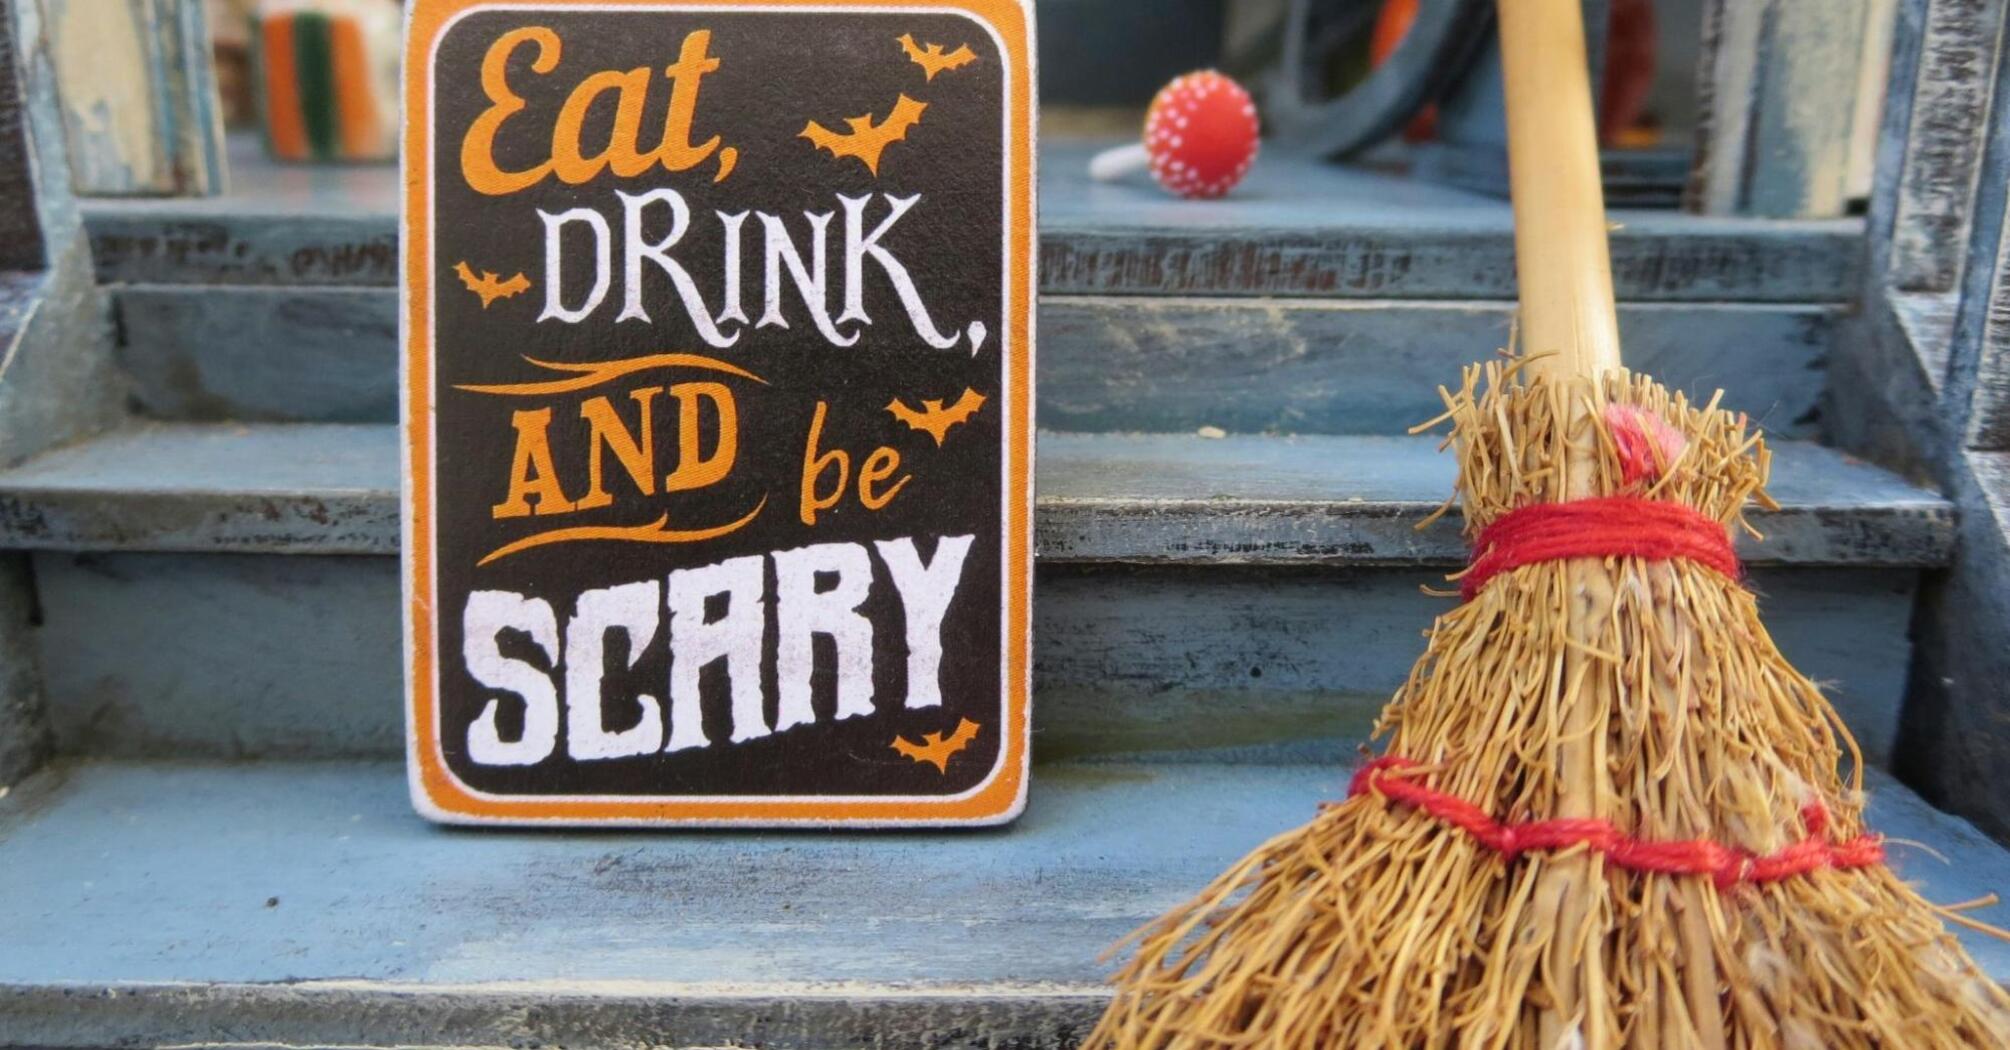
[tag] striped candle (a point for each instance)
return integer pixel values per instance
(328, 78)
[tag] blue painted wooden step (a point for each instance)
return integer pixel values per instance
(1152, 363)
(304, 904)
(1250, 500)
(1181, 577)
(1297, 227)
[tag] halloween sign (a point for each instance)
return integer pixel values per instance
(718, 412)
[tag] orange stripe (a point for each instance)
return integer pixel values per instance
(355, 99)
(658, 531)
(284, 124)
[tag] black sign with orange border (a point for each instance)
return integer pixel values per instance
(718, 365)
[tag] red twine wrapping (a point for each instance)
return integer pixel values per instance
(1608, 527)
(1726, 865)
(1615, 528)
(1605, 527)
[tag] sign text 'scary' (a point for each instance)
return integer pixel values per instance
(802, 610)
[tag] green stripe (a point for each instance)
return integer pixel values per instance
(260, 102)
(314, 56)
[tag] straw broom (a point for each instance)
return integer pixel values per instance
(1608, 812)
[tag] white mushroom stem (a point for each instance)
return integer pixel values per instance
(1119, 161)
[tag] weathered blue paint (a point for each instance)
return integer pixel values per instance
(1239, 499)
(329, 354)
(1296, 227)
(369, 891)
(1936, 125)
(1774, 132)
(322, 354)
(313, 488)
(263, 895)
(1919, 379)
(57, 382)
(25, 737)
(240, 656)
(1955, 737)
(139, 96)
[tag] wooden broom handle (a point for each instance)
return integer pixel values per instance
(1561, 259)
(1565, 275)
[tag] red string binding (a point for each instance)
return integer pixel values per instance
(1728, 866)
(1606, 527)
(1610, 527)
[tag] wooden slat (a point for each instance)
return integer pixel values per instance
(139, 96)
(1984, 371)
(272, 489)
(1956, 730)
(56, 381)
(21, 244)
(1298, 227)
(1106, 362)
(1927, 321)
(1778, 106)
(291, 905)
(332, 489)
(238, 656)
(1943, 132)
(1885, 377)
(25, 738)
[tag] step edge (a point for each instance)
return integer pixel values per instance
(309, 1013)
(55, 502)
(254, 524)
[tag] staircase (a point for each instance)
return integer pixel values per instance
(1229, 563)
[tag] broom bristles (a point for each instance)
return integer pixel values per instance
(1379, 925)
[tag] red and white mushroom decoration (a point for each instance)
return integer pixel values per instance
(1199, 141)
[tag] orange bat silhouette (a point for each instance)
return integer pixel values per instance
(934, 749)
(866, 138)
(933, 418)
(489, 286)
(931, 59)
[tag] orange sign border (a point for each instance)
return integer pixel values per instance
(436, 792)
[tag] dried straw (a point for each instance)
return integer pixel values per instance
(1376, 926)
